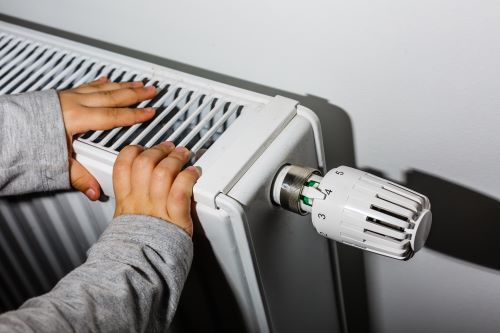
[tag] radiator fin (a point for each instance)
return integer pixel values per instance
(43, 237)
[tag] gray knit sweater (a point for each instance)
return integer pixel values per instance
(133, 276)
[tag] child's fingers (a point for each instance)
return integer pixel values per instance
(118, 85)
(83, 181)
(108, 86)
(119, 97)
(179, 198)
(122, 170)
(144, 164)
(165, 172)
(107, 118)
(98, 81)
(82, 87)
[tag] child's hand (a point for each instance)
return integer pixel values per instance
(100, 105)
(150, 182)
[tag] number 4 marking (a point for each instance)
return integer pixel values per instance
(328, 191)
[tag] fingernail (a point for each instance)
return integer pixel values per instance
(151, 88)
(194, 169)
(182, 150)
(149, 110)
(168, 144)
(137, 84)
(90, 193)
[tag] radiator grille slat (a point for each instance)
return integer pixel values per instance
(55, 82)
(23, 69)
(36, 74)
(17, 60)
(78, 73)
(201, 123)
(45, 77)
(212, 130)
(10, 51)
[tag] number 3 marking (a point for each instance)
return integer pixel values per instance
(322, 216)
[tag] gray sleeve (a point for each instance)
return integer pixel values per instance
(131, 281)
(33, 148)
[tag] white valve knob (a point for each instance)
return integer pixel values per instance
(357, 208)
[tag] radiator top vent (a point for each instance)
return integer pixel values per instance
(189, 116)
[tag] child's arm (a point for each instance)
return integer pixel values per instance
(33, 151)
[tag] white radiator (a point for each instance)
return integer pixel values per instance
(272, 258)
(47, 235)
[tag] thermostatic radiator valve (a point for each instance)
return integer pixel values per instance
(357, 208)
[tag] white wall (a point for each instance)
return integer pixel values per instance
(433, 293)
(419, 80)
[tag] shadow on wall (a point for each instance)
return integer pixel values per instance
(465, 223)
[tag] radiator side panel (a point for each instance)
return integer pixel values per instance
(295, 264)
